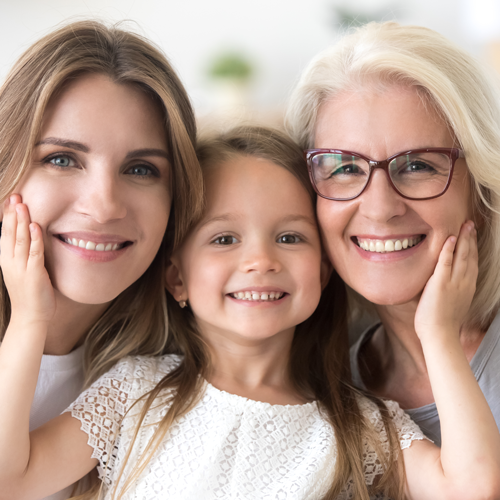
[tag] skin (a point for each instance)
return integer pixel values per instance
(100, 173)
(259, 233)
(379, 124)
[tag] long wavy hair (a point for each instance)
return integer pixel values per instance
(136, 321)
(464, 92)
(319, 359)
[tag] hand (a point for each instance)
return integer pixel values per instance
(448, 294)
(22, 261)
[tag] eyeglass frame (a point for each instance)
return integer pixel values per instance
(453, 154)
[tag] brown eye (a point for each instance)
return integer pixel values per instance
(226, 240)
(289, 238)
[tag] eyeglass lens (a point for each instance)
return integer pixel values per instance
(417, 175)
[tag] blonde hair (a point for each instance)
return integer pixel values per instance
(136, 321)
(465, 94)
(319, 359)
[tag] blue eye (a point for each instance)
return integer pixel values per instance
(225, 240)
(289, 239)
(61, 161)
(142, 171)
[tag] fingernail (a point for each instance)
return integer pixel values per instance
(12, 200)
(32, 228)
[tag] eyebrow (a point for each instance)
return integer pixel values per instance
(287, 219)
(65, 143)
(137, 153)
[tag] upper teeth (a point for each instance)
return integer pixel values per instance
(257, 295)
(90, 245)
(382, 246)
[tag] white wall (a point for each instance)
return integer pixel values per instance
(279, 35)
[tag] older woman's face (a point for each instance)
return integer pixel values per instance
(378, 125)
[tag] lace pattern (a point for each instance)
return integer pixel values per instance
(226, 447)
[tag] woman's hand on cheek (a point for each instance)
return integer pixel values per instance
(22, 261)
(447, 297)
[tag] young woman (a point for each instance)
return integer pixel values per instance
(251, 406)
(390, 92)
(96, 136)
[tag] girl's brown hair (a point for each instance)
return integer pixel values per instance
(136, 321)
(319, 359)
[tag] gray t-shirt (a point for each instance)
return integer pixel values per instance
(486, 367)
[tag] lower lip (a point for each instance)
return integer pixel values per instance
(388, 256)
(93, 255)
(258, 303)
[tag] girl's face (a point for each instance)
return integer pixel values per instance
(257, 240)
(379, 125)
(99, 188)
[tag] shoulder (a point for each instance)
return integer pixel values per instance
(145, 367)
(406, 429)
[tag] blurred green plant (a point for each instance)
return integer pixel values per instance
(231, 66)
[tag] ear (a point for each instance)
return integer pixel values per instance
(173, 280)
(325, 271)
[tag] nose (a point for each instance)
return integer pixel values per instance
(102, 198)
(259, 257)
(380, 202)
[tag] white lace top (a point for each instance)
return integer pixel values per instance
(226, 447)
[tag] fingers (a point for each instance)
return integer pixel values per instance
(16, 241)
(465, 260)
(36, 248)
(445, 262)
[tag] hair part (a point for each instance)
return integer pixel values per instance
(319, 364)
(459, 88)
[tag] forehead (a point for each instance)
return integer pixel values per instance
(98, 109)
(380, 122)
(254, 185)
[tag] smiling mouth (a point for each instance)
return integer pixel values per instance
(257, 296)
(387, 246)
(96, 247)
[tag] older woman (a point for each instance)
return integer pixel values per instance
(406, 135)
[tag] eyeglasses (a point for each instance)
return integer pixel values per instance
(419, 174)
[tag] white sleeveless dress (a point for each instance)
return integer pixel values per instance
(227, 447)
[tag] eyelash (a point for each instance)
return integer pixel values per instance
(298, 239)
(49, 159)
(153, 172)
(215, 240)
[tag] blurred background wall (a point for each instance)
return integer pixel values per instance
(240, 58)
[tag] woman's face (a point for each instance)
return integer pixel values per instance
(99, 187)
(378, 125)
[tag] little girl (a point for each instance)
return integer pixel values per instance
(254, 401)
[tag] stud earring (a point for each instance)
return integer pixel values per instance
(182, 303)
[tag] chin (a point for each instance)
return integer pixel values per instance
(390, 296)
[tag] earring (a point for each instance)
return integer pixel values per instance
(182, 303)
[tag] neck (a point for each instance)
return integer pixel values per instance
(72, 321)
(253, 368)
(402, 339)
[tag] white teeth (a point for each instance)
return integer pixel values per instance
(90, 245)
(257, 296)
(386, 246)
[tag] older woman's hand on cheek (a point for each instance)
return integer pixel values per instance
(448, 294)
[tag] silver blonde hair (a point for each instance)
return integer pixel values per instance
(462, 91)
